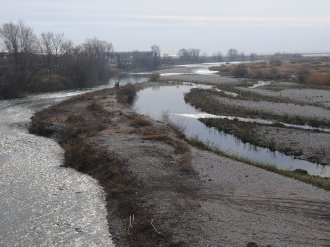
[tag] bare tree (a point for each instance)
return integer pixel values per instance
(189, 54)
(47, 49)
(232, 54)
(51, 46)
(155, 50)
(99, 52)
(20, 41)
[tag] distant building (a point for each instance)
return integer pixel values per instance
(126, 58)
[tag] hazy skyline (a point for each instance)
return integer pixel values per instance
(261, 26)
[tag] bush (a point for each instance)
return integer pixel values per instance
(275, 62)
(240, 71)
(126, 95)
(303, 75)
(154, 77)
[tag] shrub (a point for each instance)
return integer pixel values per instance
(126, 95)
(240, 71)
(275, 62)
(154, 77)
(303, 75)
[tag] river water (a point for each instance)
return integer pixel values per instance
(169, 100)
(43, 204)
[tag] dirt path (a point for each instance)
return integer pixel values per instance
(163, 192)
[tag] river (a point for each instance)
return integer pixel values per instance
(44, 204)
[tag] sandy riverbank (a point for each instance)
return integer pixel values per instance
(163, 192)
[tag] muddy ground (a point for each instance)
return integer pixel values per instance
(163, 192)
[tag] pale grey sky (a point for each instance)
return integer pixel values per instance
(262, 26)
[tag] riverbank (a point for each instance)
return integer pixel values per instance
(162, 191)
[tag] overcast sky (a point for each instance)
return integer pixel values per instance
(262, 26)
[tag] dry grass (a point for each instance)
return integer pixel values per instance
(181, 148)
(140, 121)
(319, 78)
(95, 107)
(312, 71)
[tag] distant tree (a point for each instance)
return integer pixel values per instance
(232, 54)
(218, 56)
(20, 41)
(47, 50)
(303, 75)
(275, 62)
(98, 49)
(242, 56)
(52, 46)
(155, 55)
(49, 63)
(240, 71)
(194, 54)
(253, 56)
(191, 55)
(99, 53)
(155, 50)
(183, 53)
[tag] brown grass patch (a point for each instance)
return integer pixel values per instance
(140, 121)
(312, 71)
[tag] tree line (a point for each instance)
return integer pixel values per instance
(49, 62)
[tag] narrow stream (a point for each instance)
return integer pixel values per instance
(169, 100)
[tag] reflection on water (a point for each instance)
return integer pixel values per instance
(170, 99)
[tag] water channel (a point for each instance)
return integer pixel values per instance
(169, 100)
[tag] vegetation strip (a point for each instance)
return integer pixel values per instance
(310, 71)
(203, 99)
